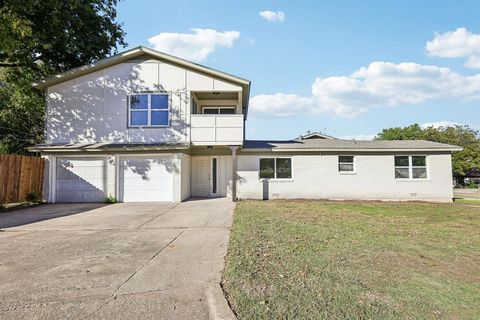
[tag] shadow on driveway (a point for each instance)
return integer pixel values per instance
(44, 212)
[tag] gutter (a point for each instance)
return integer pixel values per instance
(349, 150)
(104, 150)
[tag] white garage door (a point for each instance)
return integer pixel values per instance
(80, 180)
(143, 179)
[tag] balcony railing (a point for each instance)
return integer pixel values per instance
(212, 129)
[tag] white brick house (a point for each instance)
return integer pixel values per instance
(146, 126)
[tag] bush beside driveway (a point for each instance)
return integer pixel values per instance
(350, 260)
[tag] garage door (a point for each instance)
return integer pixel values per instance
(146, 179)
(80, 180)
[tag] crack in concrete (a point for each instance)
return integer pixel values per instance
(85, 299)
(161, 213)
(150, 259)
(113, 296)
(44, 303)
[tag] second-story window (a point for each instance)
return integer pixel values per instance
(148, 110)
(218, 110)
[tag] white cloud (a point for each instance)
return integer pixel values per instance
(281, 104)
(460, 43)
(272, 16)
(438, 124)
(379, 84)
(359, 137)
(195, 46)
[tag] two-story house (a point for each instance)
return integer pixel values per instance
(146, 126)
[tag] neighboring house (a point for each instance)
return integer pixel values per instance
(472, 175)
(147, 126)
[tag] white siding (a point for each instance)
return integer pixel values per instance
(199, 81)
(225, 176)
(317, 177)
(217, 129)
(46, 178)
(111, 176)
(222, 85)
(185, 176)
(93, 107)
(177, 183)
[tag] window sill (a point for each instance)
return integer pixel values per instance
(347, 173)
(412, 180)
(148, 127)
(276, 180)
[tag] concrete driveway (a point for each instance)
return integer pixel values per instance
(121, 261)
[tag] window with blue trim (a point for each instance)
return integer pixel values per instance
(149, 110)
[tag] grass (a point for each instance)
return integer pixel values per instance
(468, 201)
(347, 260)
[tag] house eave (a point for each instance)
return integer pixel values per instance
(130, 54)
(350, 150)
(115, 149)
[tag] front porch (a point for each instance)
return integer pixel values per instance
(212, 172)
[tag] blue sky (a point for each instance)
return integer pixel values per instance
(346, 68)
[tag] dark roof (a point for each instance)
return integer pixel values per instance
(340, 144)
(273, 145)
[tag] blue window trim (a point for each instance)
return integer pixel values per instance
(149, 110)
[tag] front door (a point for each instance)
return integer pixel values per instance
(204, 176)
(201, 177)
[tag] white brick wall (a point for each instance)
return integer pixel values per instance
(317, 177)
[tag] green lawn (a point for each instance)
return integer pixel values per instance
(474, 202)
(347, 260)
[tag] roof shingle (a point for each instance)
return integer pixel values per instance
(340, 144)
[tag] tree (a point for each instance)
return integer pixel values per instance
(463, 136)
(42, 37)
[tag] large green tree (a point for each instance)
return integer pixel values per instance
(42, 37)
(463, 136)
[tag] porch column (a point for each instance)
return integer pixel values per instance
(234, 172)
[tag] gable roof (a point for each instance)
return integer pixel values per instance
(141, 52)
(316, 135)
(348, 145)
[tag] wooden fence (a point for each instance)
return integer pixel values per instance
(20, 176)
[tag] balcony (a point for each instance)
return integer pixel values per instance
(213, 129)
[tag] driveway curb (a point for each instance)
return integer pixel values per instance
(218, 306)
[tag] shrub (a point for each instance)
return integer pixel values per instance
(34, 196)
(110, 199)
(472, 184)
